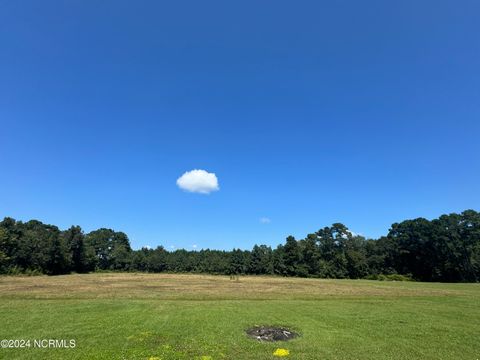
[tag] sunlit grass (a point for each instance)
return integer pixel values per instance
(142, 316)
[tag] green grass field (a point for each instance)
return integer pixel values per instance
(142, 316)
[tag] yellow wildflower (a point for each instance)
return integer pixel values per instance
(281, 352)
(154, 358)
(206, 357)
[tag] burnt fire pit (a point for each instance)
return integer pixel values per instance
(271, 333)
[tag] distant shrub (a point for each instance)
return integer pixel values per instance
(34, 272)
(17, 271)
(389, 277)
(302, 271)
(235, 277)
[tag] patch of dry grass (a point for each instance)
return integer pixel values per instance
(198, 287)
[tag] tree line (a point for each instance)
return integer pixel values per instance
(443, 249)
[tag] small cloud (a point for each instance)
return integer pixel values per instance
(172, 246)
(198, 181)
(265, 220)
(194, 246)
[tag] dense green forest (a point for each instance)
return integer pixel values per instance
(443, 249)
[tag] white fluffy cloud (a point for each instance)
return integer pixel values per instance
(265, 220)
(198, 181)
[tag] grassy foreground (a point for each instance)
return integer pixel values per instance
(162, 316)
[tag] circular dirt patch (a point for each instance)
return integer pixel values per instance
(270, 333)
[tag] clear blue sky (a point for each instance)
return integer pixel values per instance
(308, 112)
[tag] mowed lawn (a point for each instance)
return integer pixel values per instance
(164, 316)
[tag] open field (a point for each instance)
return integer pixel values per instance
(138, 316)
